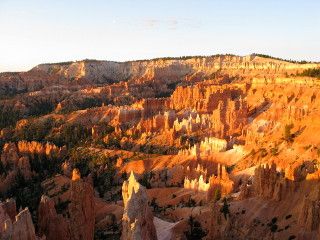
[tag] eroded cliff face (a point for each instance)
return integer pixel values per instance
(77, 220)
(15, 226)
(205, 97)
(137, 220)
(309, 216)
(52, 225)
(269, 183)
(81, 209)
(161, 70)
(171, 70)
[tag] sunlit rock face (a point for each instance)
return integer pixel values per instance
(195, 184)
(137, 220)
(198, 181)
(227, 110)
(220, 181)
(169, 70)
(206, 148)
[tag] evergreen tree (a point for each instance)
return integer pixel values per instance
(225, 208)
(195, 232)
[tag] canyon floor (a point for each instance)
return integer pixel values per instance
(217, 147)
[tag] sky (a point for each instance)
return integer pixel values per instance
(46, 31)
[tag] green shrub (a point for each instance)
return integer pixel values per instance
(35, 130)
(217, 194)
(145, 180)
(225, 208)
(288, 136)
(288, 216)
(195, 230)
(191, 203)
(8, 116)
(72, 135)
(311, 72)
(154, 204)
(263, 152)
(62, 207)
(273, 225)
(274, 151)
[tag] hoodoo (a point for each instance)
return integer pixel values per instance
(137, 220)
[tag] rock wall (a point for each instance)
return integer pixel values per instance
(52, 225)
(78, 220)
(159, 70)
(171, 69)
(224, 103)
(204, 98)
(81, 209)
(18, 228)
(310, 214)
(220, 181)
(269, 183)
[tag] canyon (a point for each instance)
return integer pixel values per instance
(217, 147)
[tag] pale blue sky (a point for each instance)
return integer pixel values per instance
(39, 31)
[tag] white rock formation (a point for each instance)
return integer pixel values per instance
(137, 220)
